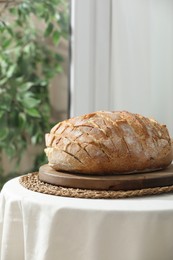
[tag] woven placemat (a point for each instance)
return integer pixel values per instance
(31, 181)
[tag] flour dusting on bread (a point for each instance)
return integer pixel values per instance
(105, 142)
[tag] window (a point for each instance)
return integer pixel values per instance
(122, 57)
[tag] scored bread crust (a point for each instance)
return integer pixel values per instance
(108, 143)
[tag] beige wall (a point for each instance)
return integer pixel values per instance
(59, 86)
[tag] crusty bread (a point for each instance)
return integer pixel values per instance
(108, 143)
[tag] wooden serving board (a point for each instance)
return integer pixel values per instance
(107, 182)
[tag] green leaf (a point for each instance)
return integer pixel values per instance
(10, 150)
(24, 95)
(25, 7)
(20, 79)
(19, 22)
(22, 119)
(50, 8)
(33, 112)
(1, 113)
(27, 49)
(48, 30)
(11, 70)
(46, 16)
(35, 138)
(56, 37)
(13, 10)
(3, 81)
(5, 106)
(43, 83)
(4, 64)
(6, 43)
(57, 17)
(25, 87)
(3, 133)
(2, 26)
(10, 30)
(58, 57)
(30, 102)
(59, 69)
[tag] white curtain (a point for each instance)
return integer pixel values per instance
(126, 61)
(142, 58)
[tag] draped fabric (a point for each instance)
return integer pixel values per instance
(36, 226)
(122, 59)
(142, 58)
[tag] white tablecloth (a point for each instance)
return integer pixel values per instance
(35, 226)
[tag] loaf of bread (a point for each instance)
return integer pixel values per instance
(108, 143)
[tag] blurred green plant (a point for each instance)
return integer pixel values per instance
(27, 65)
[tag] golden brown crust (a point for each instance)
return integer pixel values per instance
(108, 142)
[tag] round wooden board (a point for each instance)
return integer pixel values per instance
(107, 182)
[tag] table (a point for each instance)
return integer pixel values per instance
(35, 226)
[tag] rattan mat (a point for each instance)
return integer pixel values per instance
(31, 181)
